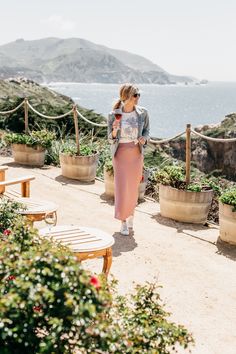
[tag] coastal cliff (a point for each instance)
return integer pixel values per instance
(212, 157)
(46, 101)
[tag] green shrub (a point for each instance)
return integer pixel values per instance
(214, 183)
(171, 176)
(109, 166)
(193, 187)
(49, 304)
(174, 176)
(229, 197)
(70, 148)
(52, 153)
(43, 138)
(8, 213)
(145, 325)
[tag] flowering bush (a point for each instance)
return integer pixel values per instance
(8, 215)
(49, 304)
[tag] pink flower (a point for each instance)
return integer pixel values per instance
(6, 232)
(11, 277)
(95, 282)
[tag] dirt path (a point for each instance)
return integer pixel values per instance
(198, 274)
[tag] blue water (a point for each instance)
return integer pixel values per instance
(170, 107)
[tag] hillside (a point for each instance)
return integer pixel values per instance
(79, 60)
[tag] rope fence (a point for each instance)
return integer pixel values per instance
(49, 117)
(76, 113)
(163, 141)
(219, 140)
(12, 110)
(89, 121)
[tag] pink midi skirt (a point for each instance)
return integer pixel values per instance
(128, 168)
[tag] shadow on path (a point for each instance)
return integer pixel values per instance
(183, 228)
(69, 181)
(27, 167)
(123, 244)
(106, 199)
(225, 249)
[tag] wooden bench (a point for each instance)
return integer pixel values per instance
(2, 172)
(85, 242)
(24, 181)
(35, 210)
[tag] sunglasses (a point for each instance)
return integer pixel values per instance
(136, 95)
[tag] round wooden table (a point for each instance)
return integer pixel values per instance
(85, 242)
(37, 209)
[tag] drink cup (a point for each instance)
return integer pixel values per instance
(118, 114)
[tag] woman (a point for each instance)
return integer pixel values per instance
(128, 133)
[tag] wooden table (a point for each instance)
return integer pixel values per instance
(37, 209)
(85, 242)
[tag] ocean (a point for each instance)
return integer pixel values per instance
(170, 107)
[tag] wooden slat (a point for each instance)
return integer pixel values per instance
(82, 239)
(75, 238)
(12, 194)
(67, 232)
(17, 180)
(77, 242)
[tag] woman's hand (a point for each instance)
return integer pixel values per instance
(116, 124)
(142, 140)
(115, 127)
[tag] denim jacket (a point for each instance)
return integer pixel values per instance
(143, 129)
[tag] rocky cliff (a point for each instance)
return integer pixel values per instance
(212, 157)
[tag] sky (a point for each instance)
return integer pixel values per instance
(184, 37)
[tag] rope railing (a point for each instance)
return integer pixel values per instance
(156, 142)
(220, 140)
(49, 117)
(12, 110)
(103, 125)
(76, 113)
(89, 121)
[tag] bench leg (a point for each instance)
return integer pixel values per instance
(2, 179)
(107, 261)
(25, 189)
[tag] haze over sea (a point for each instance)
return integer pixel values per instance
(170, 107)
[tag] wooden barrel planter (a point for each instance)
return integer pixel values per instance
(109, 183)
(110, 186)
(185, 206)
(28, 155)
(82, 168)
(227, 222)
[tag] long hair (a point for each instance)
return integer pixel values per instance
(126, 91)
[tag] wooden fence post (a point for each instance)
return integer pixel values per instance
(26, 116)
(75, 114)
(188, 152)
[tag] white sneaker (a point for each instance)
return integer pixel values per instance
(130, 221)
(124, 229)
